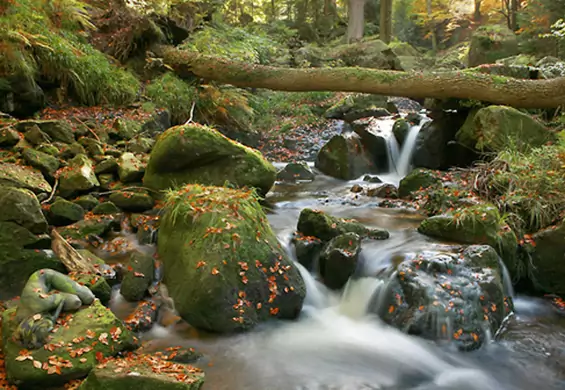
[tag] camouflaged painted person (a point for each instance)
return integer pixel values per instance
(46, 294)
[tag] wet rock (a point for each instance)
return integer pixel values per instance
(142, 372)
(73, 348)
(400, 130)
(195, 153)
(418, 179)
(495, 128)
(135, 201)
(345, 157)
(22, 207)
(83, 230)
(46, 163)
(62, 213)
(147, 227)
(372, 179)
(480, 224)
(106, 208)
(96, 283)
(325, 227)
(547, 260)
(383, 191)
(140, 145)
(338, 260)
(307, 249)
(293, 172)
(225, 272)
(448, 296)
(8, 137)
(57, 130)
(491, 43)
(108, 165)
(357, 189)
(138, 277)
(130, 168)
(375, 137)
(358, 106)
(35, 136)
(143, 317)
(14, 175)
(87, 202)
(78, 176)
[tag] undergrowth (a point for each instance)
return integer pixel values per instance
(47, 40)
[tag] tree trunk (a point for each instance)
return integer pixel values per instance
(432, 25)
(329, 7)
(477, 13)
(458, 84)
(386, 21)
(356, 24)
(513, 13)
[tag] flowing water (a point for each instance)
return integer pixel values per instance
(337, 344)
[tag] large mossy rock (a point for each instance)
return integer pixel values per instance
(143, 372)
(97, 226)
(136, 201)
(199, 154)
(418, 179)
(369, 53)
(491, 43)
(345, 157)
(22, 207)
(46, 163)
(547, 268)
(130, 168)
(448, 296)
(62, 212)
(58, 130)
(495, 128)
(223, 264)
(358, 106)
(316, 223)
(338, 260)
(479, 224)
(23, 177)
(78, 177)
(88, 336)
(138, 277)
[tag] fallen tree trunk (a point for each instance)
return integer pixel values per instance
(457, 84)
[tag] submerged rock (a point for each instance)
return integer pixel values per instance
(383, 191)
(344, 157)
(199, 154)
(79, 342)
(495, 128)
(325, 227)
(447, 296)
(338, 260)
(223, 264)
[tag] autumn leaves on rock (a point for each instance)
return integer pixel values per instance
(223, 265)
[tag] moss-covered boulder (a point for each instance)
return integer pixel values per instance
(87, 202)
(58, 130)
(106, 208)
(318, 224)
(140, 145)
(78, 176)
(495, 128)
(14, 175)
(383, 190)
(22, 207)
(124, 129)
(97, 226)
(199, 154)
(79, 342)
(490, 43)
(358, 106)
(135, 201)
(296, 171)
(138, 277)
(307, 249)
(130, 168)
(345, 157)
(107, 165)
(448, 296)
(479, 224)
(419, 178)
(338, 260)
(35, 136)
(62, 212)
(143, 372)
(46, 163)
(368, 53)
(400, 130)
(223, 264)
(8, 137)
(547, 268)
(96, 283)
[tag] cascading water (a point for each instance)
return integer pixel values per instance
(404, 161)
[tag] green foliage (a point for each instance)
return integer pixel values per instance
(527, 186)
(43, 40)
(170, 92)
(235, 43)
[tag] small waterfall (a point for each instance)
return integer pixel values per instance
(403, 167)
(357, 296)
(506, 279)
(393, 151)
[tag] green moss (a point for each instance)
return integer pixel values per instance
(418, 179)
(14, 175)
(23, 373)
(97, 226)
(199, 154)
(222, 260)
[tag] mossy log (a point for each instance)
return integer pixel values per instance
(467, 84)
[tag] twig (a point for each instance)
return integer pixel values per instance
(191, 113)
(89, 129)
(52, 192)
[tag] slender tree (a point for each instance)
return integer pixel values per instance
(386, 21)
(356, 24)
